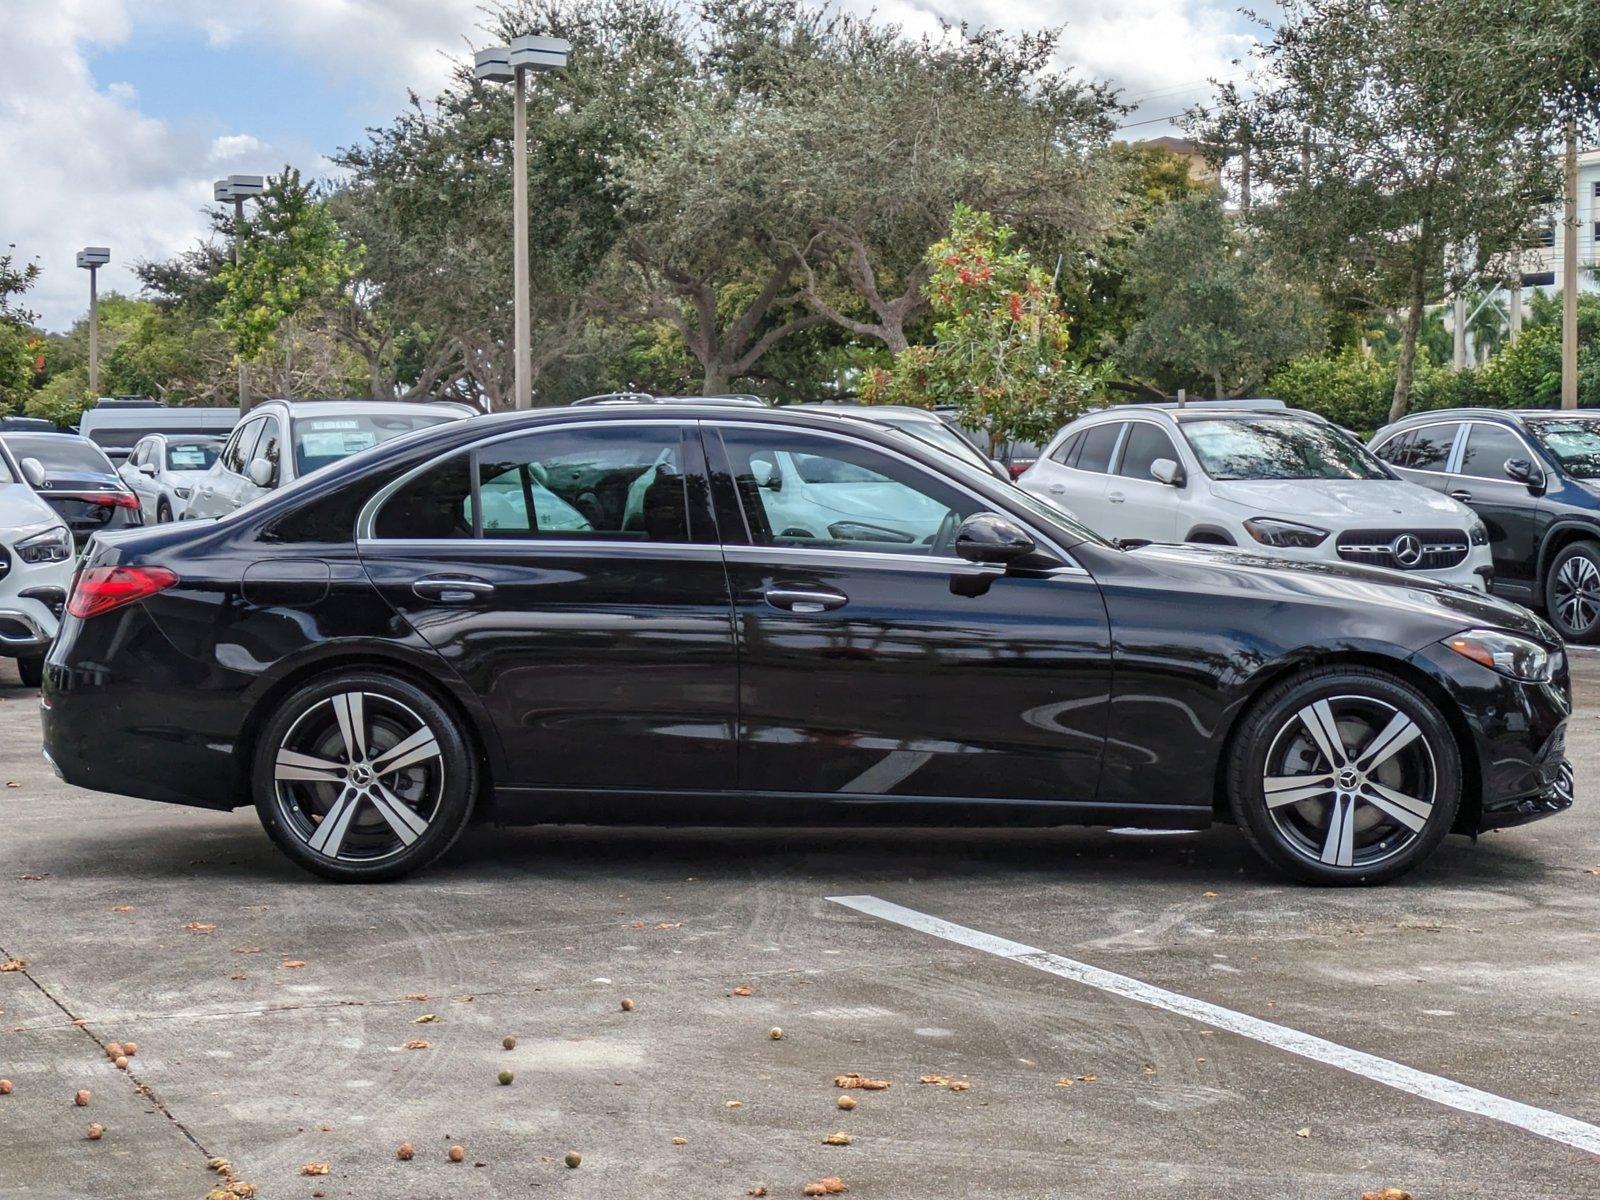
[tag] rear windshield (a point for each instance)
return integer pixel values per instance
(58, 452)
(319, 441)
(192, 456)
(1575, 444)
(1273, 448)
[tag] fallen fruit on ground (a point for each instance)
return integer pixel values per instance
(7, 1087)
(83, 1097)
(680, 1141)
(405, 1151)
(831, 1186)
(775, 1033)
(573, 1158)
(847, 1102)
(293, 964)
(457, 1153)
(627, 1004)
(121, 1062)
(743, 990)
(243, 1189)
(13, 964)
(853, 1080)
(315, 1168)
(220, 1165)
(130, 1048)
(955, 1085)
(114, 1050)
(426, 1019)
(1388, 1193)
(510, 1043)
(416, 1044)
(505, 1078)
(96, 1132)
(837, 1139)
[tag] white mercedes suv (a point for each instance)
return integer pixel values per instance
(1271, 479)
(36, 563)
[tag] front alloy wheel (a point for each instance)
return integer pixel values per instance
(363, 777)
(1572, 592)
(1355, 777)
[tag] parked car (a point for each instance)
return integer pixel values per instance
(316, 433)
(1280, 481)
(1015, 457)
(1533, 476)
(117, 426)
(75, 478)
(36, 564)
(162, 471)
(367, 662)
(920, 423)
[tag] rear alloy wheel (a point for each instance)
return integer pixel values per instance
(1572, 592)
(1345, 776)
(163, 511)
(363, 777)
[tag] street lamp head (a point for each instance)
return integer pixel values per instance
(94, 256)
(247, 185)
(493, 65)
(539, 53)
(221, 192)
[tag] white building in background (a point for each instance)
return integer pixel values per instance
(1541, 265)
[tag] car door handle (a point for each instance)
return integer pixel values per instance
(1058, 489)
(450, 590)
(804, 600)
(1115, 497)
(1461, 494)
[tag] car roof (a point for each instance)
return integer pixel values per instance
(1278, 411)
(344, 408)
(1513, 415)
(868, 412)
(610, 399)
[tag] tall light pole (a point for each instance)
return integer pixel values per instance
(91, 259)
(1569, 273)
(237, 189)
(511, 64)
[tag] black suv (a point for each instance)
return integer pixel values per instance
(1534, 477)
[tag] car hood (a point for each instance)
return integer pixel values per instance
(1389, 501)
(22, 513)
(1445, 606)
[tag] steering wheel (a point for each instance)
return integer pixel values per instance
(944, 539)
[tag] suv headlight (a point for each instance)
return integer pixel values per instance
(1478, 535)
(1270, 531)
(1506, 653)
(182, 493)
(53, 545)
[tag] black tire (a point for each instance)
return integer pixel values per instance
(369, 810)
(1392, 811)
(1572, 592)
(163, 511)
(31, 671)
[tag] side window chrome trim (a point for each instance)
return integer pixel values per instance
(468, 548)
(959, 485)
(369, 511)
(1450, 455)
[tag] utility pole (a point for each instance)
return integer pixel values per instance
(1516, 309)
(91, 259)
(1569, 276)
(1458, 320)
(1244, 168)
(237, 189)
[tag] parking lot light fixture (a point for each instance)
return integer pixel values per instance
(91, 259)
(512, 64)
(235, 190)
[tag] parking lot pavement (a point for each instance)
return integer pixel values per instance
(181, 930)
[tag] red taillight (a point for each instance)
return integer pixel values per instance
(1017, 469)
(100, 589)
(114, 499)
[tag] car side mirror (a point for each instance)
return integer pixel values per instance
(766, 474)
(33, 472)
(990, 538)
(147, 468)
(261, 472)
(1168, 472)
(1523, 471)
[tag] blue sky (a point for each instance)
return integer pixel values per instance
(116, 115)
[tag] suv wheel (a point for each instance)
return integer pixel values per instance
(31, 671)
(1572, 592)
(363, 777)
(1343, 776)
(163, 512)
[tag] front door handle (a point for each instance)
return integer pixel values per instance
(1115, 497)
(451, 590)
(1058, 489)
(1461, 494)
(805, 600)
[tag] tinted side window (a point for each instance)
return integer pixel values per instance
(1095, 454)
(1065, 451)
(1488, 448)
(242, 448)
(1394, 450)
(1429, 449)
(807, 491)
(1145, 444)
(607, 482)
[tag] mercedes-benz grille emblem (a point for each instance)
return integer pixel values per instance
(1406, 549)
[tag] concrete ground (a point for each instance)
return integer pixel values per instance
(271, 1010)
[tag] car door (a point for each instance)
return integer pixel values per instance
(1077, 480)
(571, 576)
(266, 447)
(217, 493)
(898, 669)
(136, 480)
(1508, 507)
(1144, 507)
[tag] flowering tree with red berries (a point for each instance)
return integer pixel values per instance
(1001, 350)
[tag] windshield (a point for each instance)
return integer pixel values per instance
(940, 436)
(191, 456)
(1273, 448)
(319, 441)
(57, 452)
(1575, 444)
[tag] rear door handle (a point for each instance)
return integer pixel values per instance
(1058, 489)
(450, 590)
(1115, 497)
(805, 600)
(1461, 494)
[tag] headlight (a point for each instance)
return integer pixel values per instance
(182, 493)
(1478, 535)
(1270, 531)
(1506, 653)
(53, 545)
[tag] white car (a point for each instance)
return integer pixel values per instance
(36, 564)
(280, 441)
(163, 469)
(1275, 480)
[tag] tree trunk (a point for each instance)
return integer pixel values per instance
(1405, 367)
(716, 380)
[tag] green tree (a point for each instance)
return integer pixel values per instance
(1214, 305)
(19, 342)
(1001, 351)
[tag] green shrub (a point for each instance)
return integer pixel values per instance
(1348, 388)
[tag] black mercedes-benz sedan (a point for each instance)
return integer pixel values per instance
(710, 615)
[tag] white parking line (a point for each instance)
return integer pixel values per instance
(1566, 1130)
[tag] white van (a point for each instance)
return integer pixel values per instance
(116, 428)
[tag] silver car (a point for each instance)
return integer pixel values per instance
(163, 469)
(279, 441)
